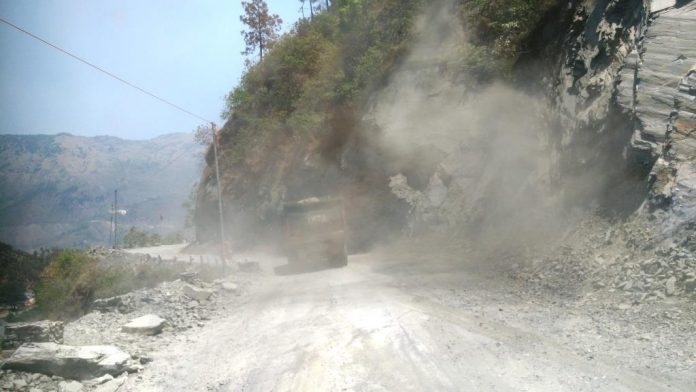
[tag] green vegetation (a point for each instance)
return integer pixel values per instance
(19, 272)
(135, 238)
(328, 66)
(67, 285)
(74, 279)
(262, 27)
(498, 30)
(330, 62)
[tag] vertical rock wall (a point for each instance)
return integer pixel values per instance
(658, 90)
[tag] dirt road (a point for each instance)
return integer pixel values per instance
(386, 324)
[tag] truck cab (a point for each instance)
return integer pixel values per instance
(314, 235)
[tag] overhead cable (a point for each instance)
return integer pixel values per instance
(142, 90)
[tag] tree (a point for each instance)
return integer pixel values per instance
(204, 135)
(313, 8)
(263, 27)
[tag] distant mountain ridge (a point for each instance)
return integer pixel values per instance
(57, 190)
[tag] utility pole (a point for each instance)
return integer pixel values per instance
(219, 194)
(111, 225)
(115, 218)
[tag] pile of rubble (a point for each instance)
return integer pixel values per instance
(180, 304)
(36, 367)
(599, 256)
(671, 272)
(35, 382)
(563, 273)
(566, 269)
(103, 346)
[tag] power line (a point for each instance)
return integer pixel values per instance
(104, 71)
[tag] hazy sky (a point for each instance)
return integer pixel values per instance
(187, 52)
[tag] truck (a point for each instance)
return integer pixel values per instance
(314, 235)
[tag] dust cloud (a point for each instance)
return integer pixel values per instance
(471, 160)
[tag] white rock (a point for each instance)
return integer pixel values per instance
(70, 386)
(196, 293)
(149, 324)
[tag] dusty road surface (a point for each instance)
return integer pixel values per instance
(406, 323)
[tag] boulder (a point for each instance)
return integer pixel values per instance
(17, 334)
(229, 287)
(197, 293)
(80, 363)
(147, 325)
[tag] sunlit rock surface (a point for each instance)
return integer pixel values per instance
(73, 362)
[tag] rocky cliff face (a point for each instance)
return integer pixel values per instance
(663, 106)
(58, 190)
(627, 80)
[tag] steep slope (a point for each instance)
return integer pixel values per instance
(292, 116)
(58, 190)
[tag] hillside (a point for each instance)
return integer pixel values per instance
(504, 125)
(57, 190)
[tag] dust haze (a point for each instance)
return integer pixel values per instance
(494, 177)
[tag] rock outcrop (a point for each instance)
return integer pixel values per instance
(625, 100)
(80, 363)
(17, 334)
(663, 106)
